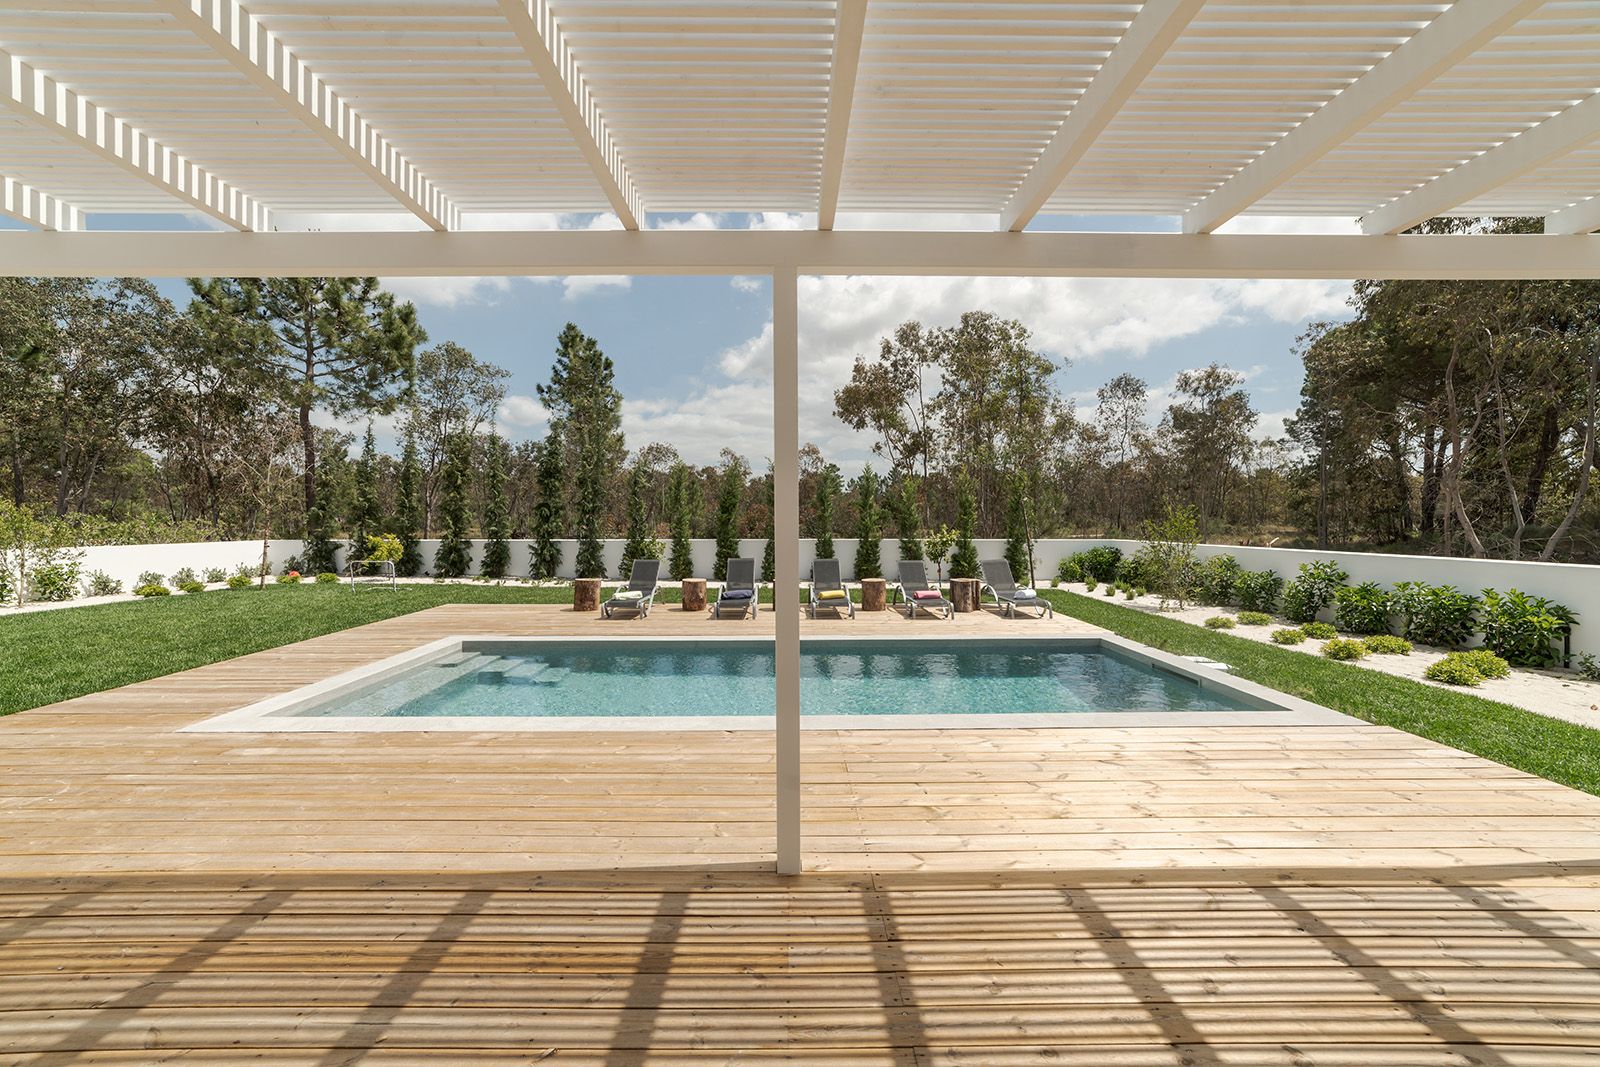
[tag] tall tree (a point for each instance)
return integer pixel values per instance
(1019, 543)
(769, 560)
(729, 494)
(454, 556)
(496, 510)
(1123, 407)
(827, 498)
(683, 504)
(549, 512)
(639, 536)
(408, 511)
(1210, 425)
(904, 505)
(964, 554)
(367, 518)
(452, 392)
(586, 417)
(869, 525)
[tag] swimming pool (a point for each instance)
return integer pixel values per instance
(676, 683)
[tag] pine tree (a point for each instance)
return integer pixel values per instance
(496, 511)
(769, 564)
(728, 498)
(638, 545)
(586, 417)
(319, 544)
(408, 511)
(1017, 554)
(964, 557)
(366, 520)
(454, 558)
(869, 526)
(827, 496)
(590, 487)
(549, 511)
(683, 502)
(907, 518)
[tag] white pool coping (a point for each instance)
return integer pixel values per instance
(278, 714)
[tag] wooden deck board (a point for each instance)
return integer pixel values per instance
(1113, 897)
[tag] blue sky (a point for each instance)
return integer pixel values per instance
(693, 356)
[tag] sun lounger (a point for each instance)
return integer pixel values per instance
(639, 595)
(918, 592)
(739, 593)
(997, 581)
(827, 588)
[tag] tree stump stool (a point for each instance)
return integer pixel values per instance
(874, 594)
(694, 594)
(964, 594)
(586, 594)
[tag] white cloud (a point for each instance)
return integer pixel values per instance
(448, 292)
(750, 359)
(747, 283)
(576, 287)
(523, 412)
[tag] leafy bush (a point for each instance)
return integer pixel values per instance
(1313, 590)
(5, 585)
(247, 570)
(292, 565)
(327, 578)
(1288, 636)
(152, 589)
(1589, 667)
(213, 575)
(1216, 580)
(240, 581)
(1345, 648)
(292, 578)
(1524, 629)
(1220, 622)
(1167, 560)
(1467, 668)
(101, 584)
(1363, 609)
(192, 587)
(1069, 571)
(1254, 618)
(1485, 662)
(1440, 615)
(150, 578)
(55, 581)
(1320, 630)
(1388, 645)
(1100, 562)
(1257, 590)
(184, 576)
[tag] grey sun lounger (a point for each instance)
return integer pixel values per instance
(643, 579)
(740, 592)
(914, 580)
(824, 577)
(997, 581)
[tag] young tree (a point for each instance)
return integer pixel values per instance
(769, 562)
(964, 553)
(905, 509)
(828, 486)
(496, 511)
(1210, 428)
(1019, 544)
(408, 511)
(366, 519)
(869, 525)
(683, 504)
(1122, 413)
(586, 417)
(640, 538)
(728, 497)
(454, 557)
(320, 546)
(452, 392)
(549, 511)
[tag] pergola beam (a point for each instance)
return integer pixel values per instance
(1156, 27)
(1455, 35)
(1556, 136)
(872, 252)
(1582, 217)
(541, 38)
(849, 23)
(240, 38)
(39, 98)
(26, 204)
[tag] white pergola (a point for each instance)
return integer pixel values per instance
(464, 130)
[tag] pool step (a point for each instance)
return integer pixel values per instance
(527, 670)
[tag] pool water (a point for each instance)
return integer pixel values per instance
(556, 679)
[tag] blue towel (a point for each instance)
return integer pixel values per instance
(737, 594)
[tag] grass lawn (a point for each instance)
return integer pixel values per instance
(1551, 748)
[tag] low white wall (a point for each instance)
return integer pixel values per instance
(125, 563)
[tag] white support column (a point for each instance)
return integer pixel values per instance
(849, 22)
(786, 557)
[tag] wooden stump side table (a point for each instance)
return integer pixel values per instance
(964, 593)
(586, 594)
(874, 594)
(694, 594)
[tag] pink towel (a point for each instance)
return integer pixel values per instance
(925, 594)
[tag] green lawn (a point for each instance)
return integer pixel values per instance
(1553, 749)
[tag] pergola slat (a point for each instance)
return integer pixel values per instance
(34, 206)
(850, 20)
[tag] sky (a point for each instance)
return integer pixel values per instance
(693, 354)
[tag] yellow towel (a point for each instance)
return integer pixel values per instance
(833, 594)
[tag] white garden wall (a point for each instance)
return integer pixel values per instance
(1575, 585)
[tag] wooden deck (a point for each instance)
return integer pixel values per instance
(1107, 897)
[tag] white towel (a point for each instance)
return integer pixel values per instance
(1024, 592)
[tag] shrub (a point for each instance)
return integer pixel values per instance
(1255, 618)
(1524, 629)
(192, 587)
(1216, 580)
(1111, 589)
(1363, 609)
(241, 581)
(1452, 671)
(292, 578)
(101, 584)
(247, 570)
(1440, 615)
(1344, 648)
(5, 585)
(1089, 584)
(1589, 667)
(214, 575)
(1140, 590)
(1132, 570)
(292, 565)
(184, 576)
(1288, 636)
(150, 578)
(327, 578)
(55, 581)
(1068, 571)
(1485, 662)
(1320, 630)
(1220, 622)
(152, 589)
(1313, 590)
(1388, 645)
(1167, 560)
(1257, 590)
(1100, 562)
(1128, 592)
